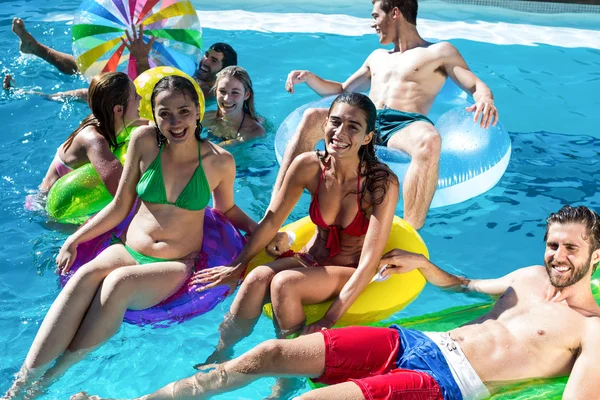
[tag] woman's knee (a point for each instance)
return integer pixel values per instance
(117, 286)
(260, 276)
(283, 285)
(92, 272)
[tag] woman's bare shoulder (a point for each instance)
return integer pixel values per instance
(215, 154)
(307, 165)
(143, 142)
(254, 130)
(144, 135)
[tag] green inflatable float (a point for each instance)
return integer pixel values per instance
(448, 319)
(81, 193)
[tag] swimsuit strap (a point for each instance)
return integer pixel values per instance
(240, 127)
(325, 165)
(358, 189)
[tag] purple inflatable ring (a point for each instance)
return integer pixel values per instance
(222, 243)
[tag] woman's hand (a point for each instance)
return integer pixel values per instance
(228, 275)
(279, 245)
(66, 257)
(322, 324)
(400, 262)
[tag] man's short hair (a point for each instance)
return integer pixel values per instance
(578, 215)
(408, 8)
(229, 54)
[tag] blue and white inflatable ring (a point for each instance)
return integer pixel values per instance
(472, 161)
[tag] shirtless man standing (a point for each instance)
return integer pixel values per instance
(404, 83)
(217, 57)
(545, 324)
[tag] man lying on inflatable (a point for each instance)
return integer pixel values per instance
(545, 324)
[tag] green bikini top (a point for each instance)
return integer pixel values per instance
(194, 196)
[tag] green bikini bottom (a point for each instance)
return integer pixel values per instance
(140, 258)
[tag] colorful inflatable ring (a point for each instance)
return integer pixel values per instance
(221, 245)
(81, 193)
(472, 161)
(379, 300)
(146, 81)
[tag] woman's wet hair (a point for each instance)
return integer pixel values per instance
(185, 87)
(241, 75)
(105, 92)
(375, 172)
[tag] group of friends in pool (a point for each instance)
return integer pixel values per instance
(544, 324)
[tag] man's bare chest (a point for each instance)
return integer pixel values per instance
(405, 68)
(538, 321)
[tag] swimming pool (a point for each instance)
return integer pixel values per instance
(545, 81)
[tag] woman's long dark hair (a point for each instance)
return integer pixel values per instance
(375, 172)
(183, 85)
(106, 91)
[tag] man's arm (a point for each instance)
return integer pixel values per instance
(457, 70)
(584, 382)
(400, 261)
(360, 80)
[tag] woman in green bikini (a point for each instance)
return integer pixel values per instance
(157, 252)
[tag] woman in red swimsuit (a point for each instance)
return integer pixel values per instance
(354, 197)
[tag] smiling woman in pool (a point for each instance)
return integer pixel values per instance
(353, 201)
(235, 118)
(174, 181)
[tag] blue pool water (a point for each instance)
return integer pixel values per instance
(547, 95)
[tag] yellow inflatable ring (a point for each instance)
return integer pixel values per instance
(380, 300)
(146, 81)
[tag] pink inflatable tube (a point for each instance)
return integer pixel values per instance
(222, 243)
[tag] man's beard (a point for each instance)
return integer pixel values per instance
(207, 76)
(577, 273)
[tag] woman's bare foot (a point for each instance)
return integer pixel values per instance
(28, 42)
(8, 81)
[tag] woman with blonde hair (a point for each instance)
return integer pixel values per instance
(235, 118)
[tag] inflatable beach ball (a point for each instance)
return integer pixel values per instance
(99, 26)
(144, 85)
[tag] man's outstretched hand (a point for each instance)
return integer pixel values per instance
(295, 77)
(487, 110)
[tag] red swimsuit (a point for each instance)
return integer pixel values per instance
(358, 226)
